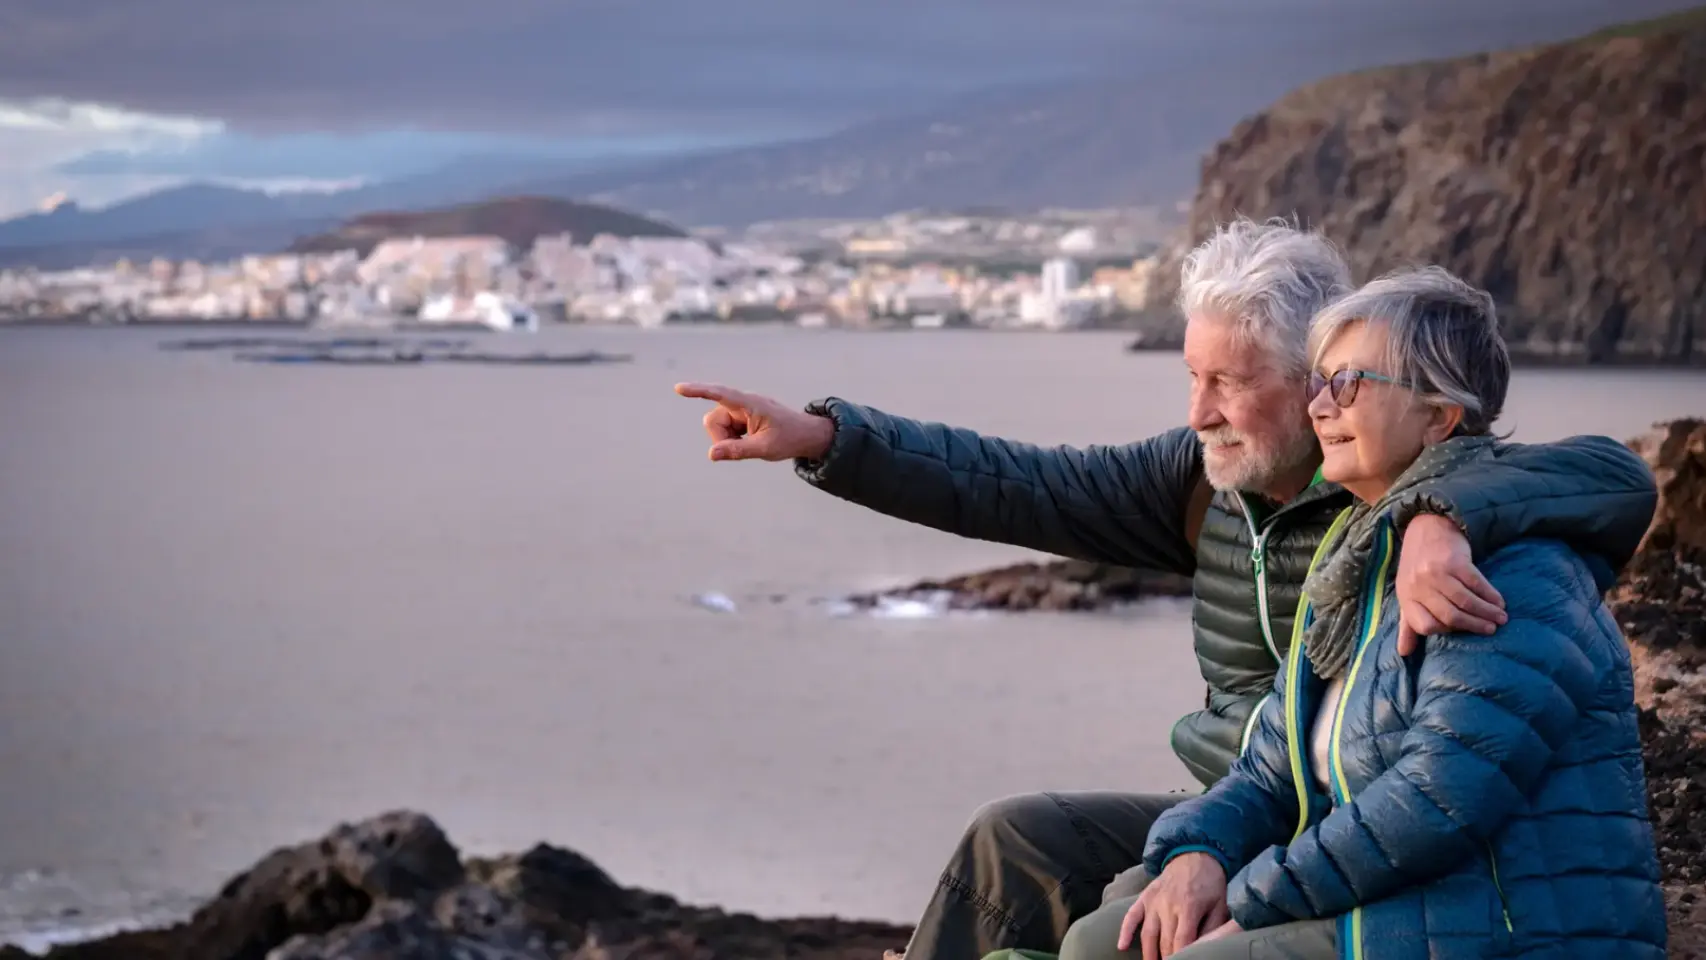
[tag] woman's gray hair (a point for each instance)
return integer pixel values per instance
(1442, 338)
(1269, 279)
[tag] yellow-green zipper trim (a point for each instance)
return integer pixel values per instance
(1372, 618)
(1371, 621)
(1504, 905)
(1293, 657)
(1293, 660)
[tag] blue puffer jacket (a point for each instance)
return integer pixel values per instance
(1488, 793)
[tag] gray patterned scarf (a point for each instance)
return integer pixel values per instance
(1335, 587)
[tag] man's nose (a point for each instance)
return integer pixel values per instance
(1205, 413)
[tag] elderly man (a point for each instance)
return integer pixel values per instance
(1234, 500)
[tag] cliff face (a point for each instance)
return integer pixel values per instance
(1569, 181)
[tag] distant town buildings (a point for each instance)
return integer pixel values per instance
(918, 270)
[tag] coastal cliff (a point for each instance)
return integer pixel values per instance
(1567, 180)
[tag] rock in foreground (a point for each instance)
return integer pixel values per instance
(1661, 603)
(1058, 585)
(394, 888)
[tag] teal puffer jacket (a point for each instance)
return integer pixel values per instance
(1487, 795)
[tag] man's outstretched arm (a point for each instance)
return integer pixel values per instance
(1130, 505)
(1136, 505)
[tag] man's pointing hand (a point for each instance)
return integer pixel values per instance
(747, 426)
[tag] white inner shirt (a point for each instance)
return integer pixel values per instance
(1321, 736)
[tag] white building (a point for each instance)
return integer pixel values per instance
(1060, 278)
(485, 308)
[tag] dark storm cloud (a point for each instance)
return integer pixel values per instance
(630, 66)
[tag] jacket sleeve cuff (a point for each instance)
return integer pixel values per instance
(1170, 843)
(1426, 502)
(822, 471)
(1221, 858)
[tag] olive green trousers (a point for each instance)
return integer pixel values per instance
(1027, 866)
(1047, 875)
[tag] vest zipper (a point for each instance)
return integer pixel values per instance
(1250, 724)
(1258, 558)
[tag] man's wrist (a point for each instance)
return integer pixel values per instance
(823, 436)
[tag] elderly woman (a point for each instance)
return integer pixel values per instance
(1483, 797)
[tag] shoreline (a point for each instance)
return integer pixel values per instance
(1521, 357)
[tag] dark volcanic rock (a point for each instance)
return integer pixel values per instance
(1566, 180)
(394, 888)
(1661, 603)
(1661, 598)
(1059, 585)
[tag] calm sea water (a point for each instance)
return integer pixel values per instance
(241, 603)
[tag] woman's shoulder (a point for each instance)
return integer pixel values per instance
(1559, 628)
(1544, 580)
(1516, 557)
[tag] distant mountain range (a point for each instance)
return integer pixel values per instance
(518, 220)
(207, 221)
(1085, 145)
(1134, 140)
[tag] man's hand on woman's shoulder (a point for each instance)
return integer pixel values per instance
(1439, 589)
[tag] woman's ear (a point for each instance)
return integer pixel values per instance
(1443, 421)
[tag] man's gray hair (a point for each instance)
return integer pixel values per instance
(1442, 338)
(1268, 278)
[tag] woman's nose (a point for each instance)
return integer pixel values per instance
(1321, 406)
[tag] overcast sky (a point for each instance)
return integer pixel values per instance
(106, 97)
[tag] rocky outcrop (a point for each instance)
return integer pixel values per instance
(394, 888)
(1566, 180)
(1058, 585)
(1661, 603)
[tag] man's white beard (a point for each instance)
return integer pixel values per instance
(1248, 467)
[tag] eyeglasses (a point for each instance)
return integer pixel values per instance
(1344, 384)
